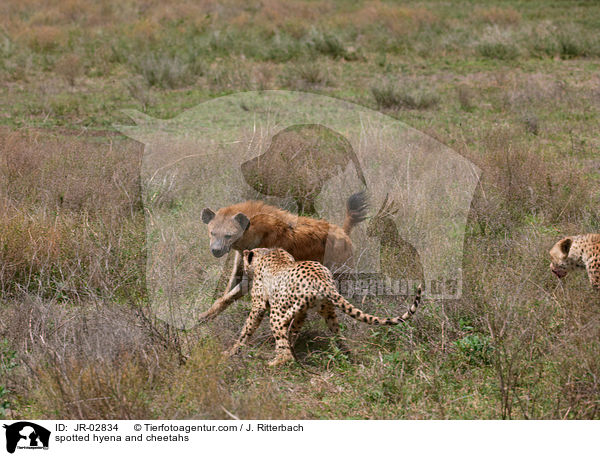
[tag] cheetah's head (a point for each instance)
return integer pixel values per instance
(251, 259)
(561, 263)
(273, 258)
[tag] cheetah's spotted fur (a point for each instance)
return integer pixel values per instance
(289, 289)
(581, 251)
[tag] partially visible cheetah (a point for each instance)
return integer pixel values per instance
(290, 289)
(581, 251)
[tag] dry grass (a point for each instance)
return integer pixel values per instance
(44, 37)
(69, 66)
(497, 16)
(397, 21)
(465, 97)
(518, 182)
(389, 95)
(290, 16)
(57, 234)
(307, 75)
(100, 361)
(70, 249)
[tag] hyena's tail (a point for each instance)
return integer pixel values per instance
(356, 210)
(359, 315)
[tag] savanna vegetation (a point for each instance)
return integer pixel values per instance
(512, 85)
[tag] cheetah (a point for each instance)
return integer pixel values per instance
(581, 251)
(288, 289)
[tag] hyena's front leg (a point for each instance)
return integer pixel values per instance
(259, 307)
(222, 303)
(233, 291)
(235, 270)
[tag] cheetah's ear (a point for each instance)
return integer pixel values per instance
(207, 215)
(565, 245)
(242, 220)
(248, 255)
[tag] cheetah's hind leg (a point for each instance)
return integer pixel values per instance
(280, 327)
(297, 325)
(327, 311)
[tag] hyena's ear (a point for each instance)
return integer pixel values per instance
(207, 215)
(565, 245)
(248, 255)
(242, 220)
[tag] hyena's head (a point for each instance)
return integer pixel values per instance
(562, 259)
(224, 230)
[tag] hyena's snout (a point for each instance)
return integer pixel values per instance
(218, 249)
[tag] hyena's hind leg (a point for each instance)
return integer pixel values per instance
(327, 311)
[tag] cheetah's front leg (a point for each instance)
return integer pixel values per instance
(259, 307)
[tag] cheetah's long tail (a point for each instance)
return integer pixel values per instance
(356, 313)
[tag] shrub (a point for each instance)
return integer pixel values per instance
(476, 348)
(139, 90)
(280, 48)
(307, 74)
(572, 43)
(57, 231)
(497, 50)
(69, 67)
(532, 124)
(330, 45)
(45, 38)
(519, 181)
(465, 97)
(391, 96)
(566, 42)
(168, 72)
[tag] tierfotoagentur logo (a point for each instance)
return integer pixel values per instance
(307, 154)
(24, 435)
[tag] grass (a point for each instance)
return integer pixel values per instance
(163, 71)
(500, 51)
(390, 96)
(512, 86)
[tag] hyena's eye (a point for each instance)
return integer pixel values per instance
(228, 236)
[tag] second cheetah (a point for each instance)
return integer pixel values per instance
(574, 252)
